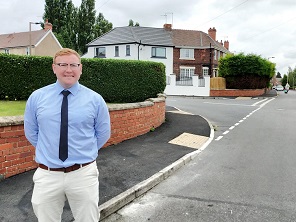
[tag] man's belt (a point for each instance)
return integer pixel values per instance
(65, 169)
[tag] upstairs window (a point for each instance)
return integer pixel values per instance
(215, 54)
(158, 52)
(116, 51)
(100, 52)
(205, 71)
(128, 50)
(186, 53)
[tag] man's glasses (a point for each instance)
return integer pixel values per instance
(73, 66)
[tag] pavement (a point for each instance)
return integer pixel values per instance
(127, 170)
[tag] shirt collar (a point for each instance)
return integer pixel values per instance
(74, 89)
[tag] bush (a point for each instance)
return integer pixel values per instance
(246, 71)
(116, 80)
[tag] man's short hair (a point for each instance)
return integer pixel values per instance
(66, 51)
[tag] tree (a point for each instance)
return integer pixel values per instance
(102, 26)
(75, 27)
(56, 13)
(292, 77)
(62, 14)
(86, 23)
(278, 75)
(131, 23)
(284, 80)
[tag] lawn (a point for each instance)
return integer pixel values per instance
(12, 108)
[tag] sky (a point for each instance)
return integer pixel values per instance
(262, 27)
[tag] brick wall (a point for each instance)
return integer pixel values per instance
(237, 92)
(127, 121)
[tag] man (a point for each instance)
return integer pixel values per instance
(287, 87)
(66, 153)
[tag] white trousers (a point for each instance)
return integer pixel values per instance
(80, 187)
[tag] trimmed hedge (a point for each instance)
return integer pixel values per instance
(118, 81)
(246, 71)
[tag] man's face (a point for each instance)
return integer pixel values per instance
(67, 69)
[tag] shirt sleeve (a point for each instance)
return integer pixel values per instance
(30, 122)
(102, 124)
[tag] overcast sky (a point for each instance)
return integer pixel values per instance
(262, 27)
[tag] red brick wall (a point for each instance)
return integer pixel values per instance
(237, 92)
(127, 121)
(16, 153)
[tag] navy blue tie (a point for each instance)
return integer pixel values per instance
(63, 149)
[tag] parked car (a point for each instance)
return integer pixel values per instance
(279, 88)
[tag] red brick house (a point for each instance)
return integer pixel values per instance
(196, 52)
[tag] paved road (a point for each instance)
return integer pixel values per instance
(246, 174)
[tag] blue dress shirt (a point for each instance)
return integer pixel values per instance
(88, 124)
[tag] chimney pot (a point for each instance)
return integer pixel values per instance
(47, 25)
(212, 33)
(226, 44)
(167, 27)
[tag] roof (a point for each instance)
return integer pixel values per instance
(195, 39)
(134, 34)
(157, 37)
(22, 39)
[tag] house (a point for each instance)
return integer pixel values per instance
(134, 43)
(43, 42)
(195, 52)
(184, 52)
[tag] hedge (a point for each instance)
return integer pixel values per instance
(118, 81)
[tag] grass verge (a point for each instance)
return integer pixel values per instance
(12, 108)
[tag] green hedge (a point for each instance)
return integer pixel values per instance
(118, 81)
(246, 71)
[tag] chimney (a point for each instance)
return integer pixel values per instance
(47, 25)
(167, 27)
(226, 44)
(212, 33)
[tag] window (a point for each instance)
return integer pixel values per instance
(116, 51)
(205, 71)
(6, 51)
(128, 50)
(158, 52)
(215, 54)
(186, 53)
(100, 52)
(186, 72)
(185, 78)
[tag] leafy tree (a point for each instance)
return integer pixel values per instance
(284, 80)
(131, 23)
(62, 14)
(86, 24)
(56, 12)
(102, 26)
(75, 27)
(292, 77)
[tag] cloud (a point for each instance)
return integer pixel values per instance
(262, 27)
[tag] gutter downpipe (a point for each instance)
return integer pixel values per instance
(139, 50)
